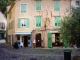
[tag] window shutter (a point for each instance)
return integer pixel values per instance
(36, 21)
(27, 22)
(55, 21)
(19, 23)
(23, 7)
(39, 21)
(58, 18)
(38, 5)
(56, 5)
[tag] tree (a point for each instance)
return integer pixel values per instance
(70, 27)
(4, 4)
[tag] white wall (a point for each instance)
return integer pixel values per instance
(3, 19)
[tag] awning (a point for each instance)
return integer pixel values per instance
(22, 33)
(54, 31)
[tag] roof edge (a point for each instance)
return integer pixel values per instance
(12, 5)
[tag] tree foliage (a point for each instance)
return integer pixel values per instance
(4, 4)
(70, 27)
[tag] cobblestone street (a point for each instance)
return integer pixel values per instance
(9, 53)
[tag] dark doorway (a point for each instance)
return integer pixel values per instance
(25, 41)
(57, 42)
(38, 40)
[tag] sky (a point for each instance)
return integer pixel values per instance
(3, 19)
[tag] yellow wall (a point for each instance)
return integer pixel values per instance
(32, 13)
(11, 20)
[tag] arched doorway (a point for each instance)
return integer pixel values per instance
(38, 40)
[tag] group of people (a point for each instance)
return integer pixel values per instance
(18, 45)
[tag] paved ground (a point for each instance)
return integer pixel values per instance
(9, 53)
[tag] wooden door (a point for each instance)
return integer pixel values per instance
(25, 41)
(38, 40)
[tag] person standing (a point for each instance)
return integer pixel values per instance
(21, 44)
(34, 43)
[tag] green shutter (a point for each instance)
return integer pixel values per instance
(49, 40)
(36, 21)
(19, 23)
(57, 20)
(27, 22)
(39, 21)
(56, 5)
(23, 7)
(38, 5)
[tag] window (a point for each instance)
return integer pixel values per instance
(77, 2)
(23, 7)
(38, 5)
(23, 22)
(38, 21)
(56, 5)
(57, 20)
